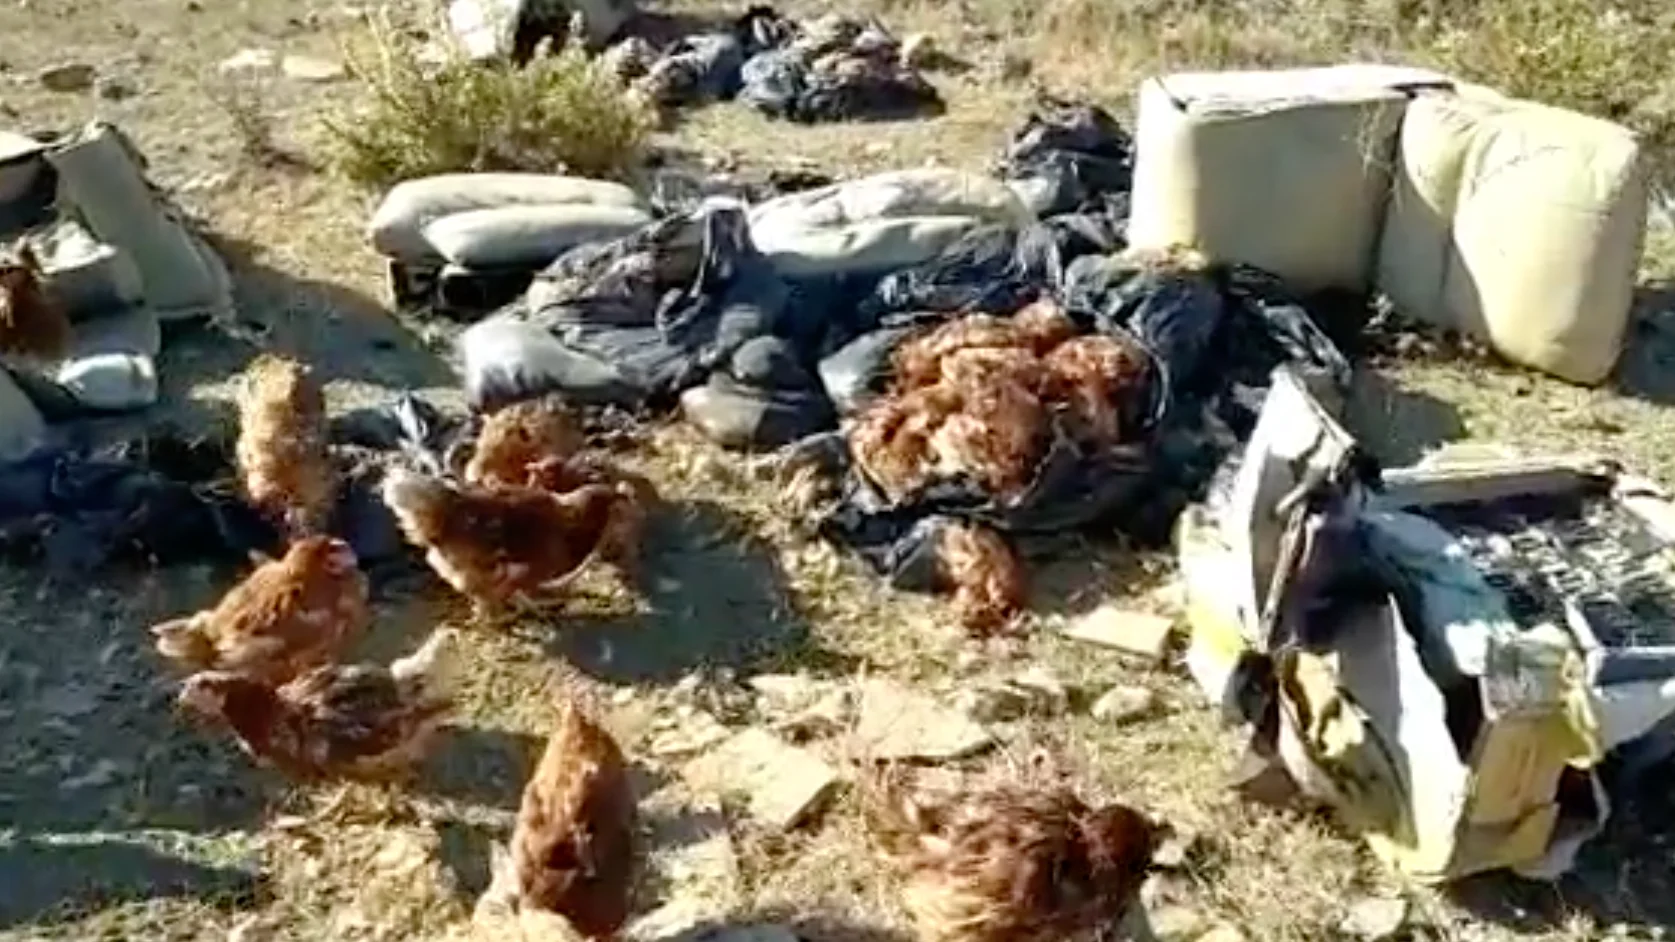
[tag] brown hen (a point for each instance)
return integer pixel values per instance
(1094, 378)
(572, 851)
(984, 574)
(281, 448)
(891, 438)
(33, 323)
(918, 361)
(1012, 864)
(498, 545)
(350, 721)
(287, 616)
(623, 543)
(520, 435)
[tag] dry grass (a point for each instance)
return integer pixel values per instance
(557, 114)
(737, 583)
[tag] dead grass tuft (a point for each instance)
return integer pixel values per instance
(557, 114)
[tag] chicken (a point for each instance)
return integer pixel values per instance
(572, 850)
(1043, 325)
(498, 545)
(985, 576)
(891, 438)
(281, 448)
(289, 615)
(1011, 864)
(997, 438)
(623, 542)
(33, 323)
(1093, 378)
(519, 435)
(339, 721)
(918, 361)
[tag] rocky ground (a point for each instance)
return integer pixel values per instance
(758, 662)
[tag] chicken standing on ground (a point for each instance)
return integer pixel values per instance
(341, 721)
(1013, 864)
(33, 323)
(521, 435)
(623, 542)
(572, 851)
(289, 615)
(281, 447)
(498, 545)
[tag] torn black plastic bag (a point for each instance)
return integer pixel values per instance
(632, 322)
(151, 501)
(1074, 155)
(1216, 336)
(992, 269)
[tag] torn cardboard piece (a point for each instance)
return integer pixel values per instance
(1442, 653)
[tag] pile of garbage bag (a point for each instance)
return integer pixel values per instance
(108, 262)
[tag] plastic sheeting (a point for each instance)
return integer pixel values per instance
(634, 321)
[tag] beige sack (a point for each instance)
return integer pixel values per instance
(397, 227)
(527, 236)
(885, 221)
(1286, 170)
(1518, 223)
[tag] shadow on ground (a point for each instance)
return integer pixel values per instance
(1622, 879)
(713, 597)
(1398, 425)
(104, 791)
(816, 928)
(1647, 368)
(46, 878)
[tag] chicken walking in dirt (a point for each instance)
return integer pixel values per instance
(32, 321)
(503, 545)
(572, 850)
(289, 615)
(281, 447)
(1013, 864)
(359, 722)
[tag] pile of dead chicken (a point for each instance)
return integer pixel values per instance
(981, 399)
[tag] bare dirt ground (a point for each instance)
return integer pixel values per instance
(117, 822)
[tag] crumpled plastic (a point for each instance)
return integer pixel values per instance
(637, 320)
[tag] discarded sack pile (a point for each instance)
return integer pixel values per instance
(1001, 367)
(96, 264)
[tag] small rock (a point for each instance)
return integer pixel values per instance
(1177, 850)
(992, 703)
(785, 693)
(1222, 934)
(919, 51)
(1045, 687)
(249, 62)
(67, 77)
(691, 733)
(782, 783)
(1125, 704)
(1376, 919)
(1175, 923)
(112, 88)
(310, 69)
(898, 723)
(1142, 634)
(70, 700)
(1015, 67)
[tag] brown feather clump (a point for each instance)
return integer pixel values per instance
(33, 322)
(572, 850)
(281, 449)
(522, 434)
(980, 398)
(1010, 863)
(984, 574)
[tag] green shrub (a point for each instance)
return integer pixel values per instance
(557, 114)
